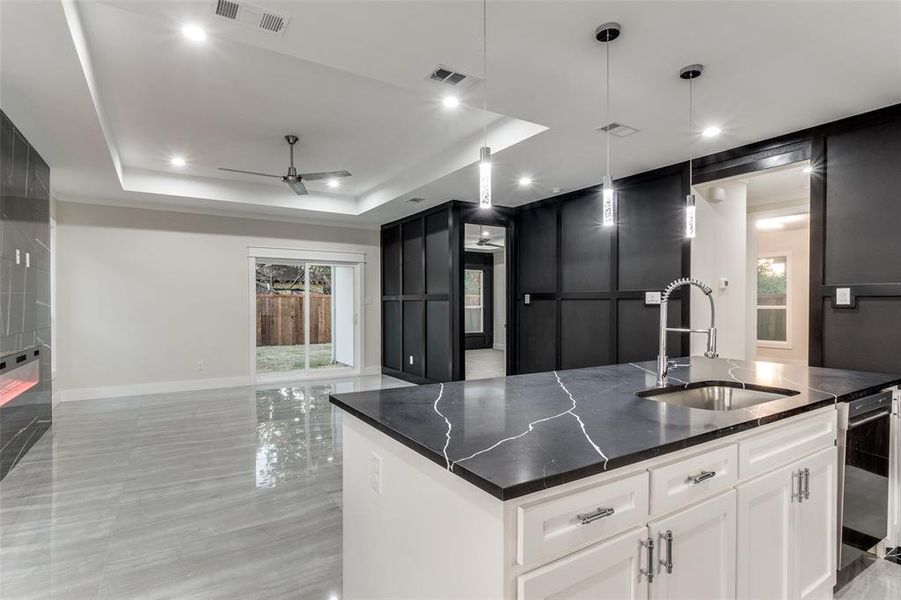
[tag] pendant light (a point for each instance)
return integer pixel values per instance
(485, 151)
(691, 72)
(606, 33)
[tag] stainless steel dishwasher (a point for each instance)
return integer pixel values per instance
(864, 445)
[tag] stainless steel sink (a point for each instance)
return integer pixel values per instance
(716, 395)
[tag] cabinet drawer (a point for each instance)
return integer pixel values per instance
(680, 483)
(762, 453)
(554, 527)
(611, 569)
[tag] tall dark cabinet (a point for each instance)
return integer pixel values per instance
(25, 368)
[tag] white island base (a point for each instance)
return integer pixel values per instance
(762, 525)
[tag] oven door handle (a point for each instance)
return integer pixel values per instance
(864, 421)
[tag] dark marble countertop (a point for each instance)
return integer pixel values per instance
(516, 435)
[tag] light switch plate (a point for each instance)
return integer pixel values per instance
(651, 298)
(527, 299)
(843, 296)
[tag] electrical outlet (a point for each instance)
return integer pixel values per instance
(652, 298)
(200, 365)
(843, 296)
(411, 359)
(527, 299)
(375, 473)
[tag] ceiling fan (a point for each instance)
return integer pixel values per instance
(485, 240)
(293, 178)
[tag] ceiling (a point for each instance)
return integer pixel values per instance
(109, 91)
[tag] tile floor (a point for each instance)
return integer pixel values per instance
(485, 363)
(232, 493)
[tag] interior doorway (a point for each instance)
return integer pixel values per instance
(753, 247)
(485, 260)
(305, 318)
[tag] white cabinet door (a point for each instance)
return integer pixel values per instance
(814, 533)
(610, 569)
(765, 514)
(703, 552)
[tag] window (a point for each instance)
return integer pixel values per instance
(473, 289)
(773, 313)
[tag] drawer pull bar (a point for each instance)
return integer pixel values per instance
(702, 476)
(807, 484)
(649, 573)
(600, 513)
(668, 538)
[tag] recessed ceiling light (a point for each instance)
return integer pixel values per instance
(194, 33)
(450, 102)
(711, 131)
(178, 161)
(808, 169)
(525, 181)
(334, 183)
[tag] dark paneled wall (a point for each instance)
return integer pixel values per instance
(586, 282)
(24, 287)
(856, 233)
(417, 279)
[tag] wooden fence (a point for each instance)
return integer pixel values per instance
(280, 319)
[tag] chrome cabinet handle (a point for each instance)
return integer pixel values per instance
(668, 538)
(600, 513)
(702, 476)
(649, 573)
(806, 484)
(796, 476)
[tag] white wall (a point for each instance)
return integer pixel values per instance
(143, 296)
(500, 301)
(719, 250)
(797, 243)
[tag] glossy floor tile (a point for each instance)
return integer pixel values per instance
(232, 493)
(869, 578)
(485, 364)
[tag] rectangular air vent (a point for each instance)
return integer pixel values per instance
(455, 79)
(250, 16)
(617, 129)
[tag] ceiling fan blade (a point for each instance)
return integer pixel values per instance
(492, 245)
(325, 175)
(249, 172)
(298, 187)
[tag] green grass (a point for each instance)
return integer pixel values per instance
(279, 359)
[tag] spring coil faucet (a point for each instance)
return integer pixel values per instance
(662, 360)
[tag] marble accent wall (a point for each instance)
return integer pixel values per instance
(24, 287)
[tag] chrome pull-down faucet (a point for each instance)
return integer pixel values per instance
(662, 361)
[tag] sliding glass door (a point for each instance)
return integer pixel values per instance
(306, 318)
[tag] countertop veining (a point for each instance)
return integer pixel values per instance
(515, 435)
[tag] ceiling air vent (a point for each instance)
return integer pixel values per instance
(250, 16)
(617, 129)
(446, 75)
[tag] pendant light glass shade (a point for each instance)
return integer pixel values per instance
(485, 177)
(690, 216)
(609, 208)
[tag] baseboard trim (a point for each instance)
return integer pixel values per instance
(500, 347)
(142, 389)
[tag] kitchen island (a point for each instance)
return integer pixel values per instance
(567, 484)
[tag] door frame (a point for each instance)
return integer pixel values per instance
(357, 260)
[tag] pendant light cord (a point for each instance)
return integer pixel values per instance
(607, 111)
(691, 139)
(485, 71)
